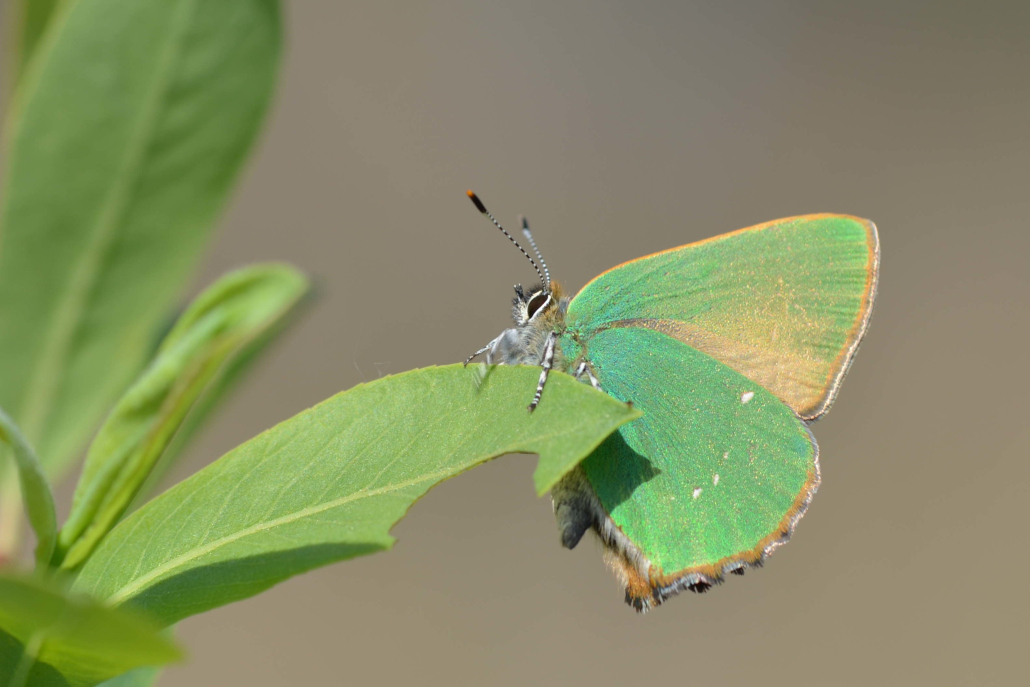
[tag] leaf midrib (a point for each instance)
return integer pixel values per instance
(128, 590)
(50, 366)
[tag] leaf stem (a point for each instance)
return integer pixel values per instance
(35, 490)
(10, 509)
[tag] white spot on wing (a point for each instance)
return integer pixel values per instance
(697, 492)
(715, 479)
(747, 396)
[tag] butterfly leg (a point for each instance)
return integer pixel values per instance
(584, 368)
(484, 349)
(546, 363)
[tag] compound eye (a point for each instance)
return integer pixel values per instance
(536, 303)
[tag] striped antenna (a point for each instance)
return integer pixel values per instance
(539, 255)
(482, 208)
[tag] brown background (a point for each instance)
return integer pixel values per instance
(621, 129)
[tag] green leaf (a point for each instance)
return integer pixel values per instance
(39, 501)
(48, 637)
(233, 312)
(216, 392)
(28, 19)
(329, 483)
(126, 134)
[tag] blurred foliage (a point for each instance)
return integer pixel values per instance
(127, 131)
(48, 637)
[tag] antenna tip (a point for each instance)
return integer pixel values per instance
(476, 201)
(524, 222)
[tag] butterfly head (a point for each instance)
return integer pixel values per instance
(530, 303)
(535, 304)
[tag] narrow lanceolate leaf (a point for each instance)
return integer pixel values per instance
(128, 129)
(329, 483)
(48, 637)
(220, 324)
(35, 490)
(229, 376)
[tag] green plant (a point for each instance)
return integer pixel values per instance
(127, 128)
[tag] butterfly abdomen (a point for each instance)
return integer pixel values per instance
(577, 509)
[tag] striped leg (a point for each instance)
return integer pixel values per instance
(584, 367)
(546, 364)
(484, 349)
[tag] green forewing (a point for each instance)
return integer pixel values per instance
(703, 476)
(784, 303)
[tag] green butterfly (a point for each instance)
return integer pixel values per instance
(731, 346)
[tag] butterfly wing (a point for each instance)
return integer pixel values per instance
(728, 346)
(784, 303)
(710, 480)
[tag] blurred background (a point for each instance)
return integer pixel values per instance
(621, 129)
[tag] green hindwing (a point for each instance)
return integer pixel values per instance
(711, 479)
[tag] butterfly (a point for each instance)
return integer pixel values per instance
(731, 346)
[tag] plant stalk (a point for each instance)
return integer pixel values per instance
(11, 511)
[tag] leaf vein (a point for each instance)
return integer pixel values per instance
(129, 589)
